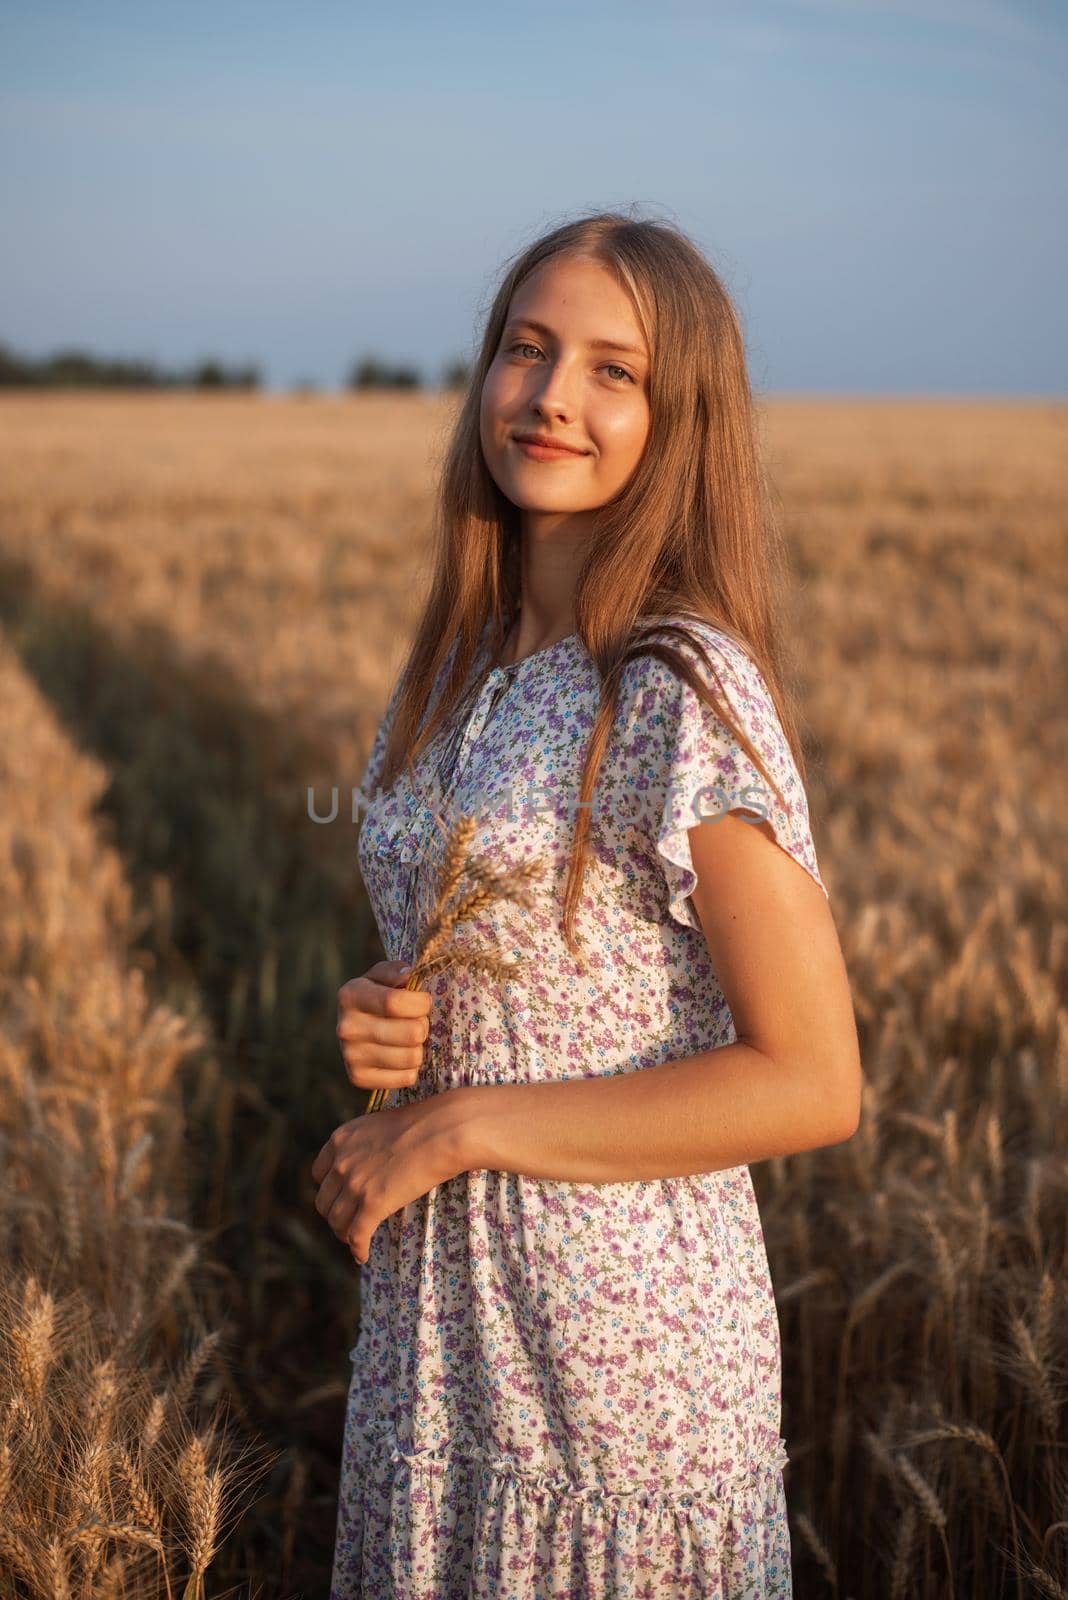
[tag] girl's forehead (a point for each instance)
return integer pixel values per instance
(578, 281)
(549, 294)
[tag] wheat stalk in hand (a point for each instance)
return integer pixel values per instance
(437, 948)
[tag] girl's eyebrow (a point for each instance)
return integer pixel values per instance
(594, 344)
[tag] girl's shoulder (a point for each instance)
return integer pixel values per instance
(702, 644)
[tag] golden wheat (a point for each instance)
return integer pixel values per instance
(181, 1390)
(203, 1493)
(89, 1061)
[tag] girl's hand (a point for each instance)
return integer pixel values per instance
(375, 1165)
(382, 1027)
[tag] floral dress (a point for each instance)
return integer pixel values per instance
(570, 1389)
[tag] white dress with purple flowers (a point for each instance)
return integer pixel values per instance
(570, 1389)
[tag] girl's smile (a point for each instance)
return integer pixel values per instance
(546, 452)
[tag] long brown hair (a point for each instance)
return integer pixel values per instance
(691, 534)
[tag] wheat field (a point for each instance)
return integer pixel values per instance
(204, 599)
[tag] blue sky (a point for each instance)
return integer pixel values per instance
(883, 184)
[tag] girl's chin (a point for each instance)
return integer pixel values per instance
(529, 503)
(535, 489)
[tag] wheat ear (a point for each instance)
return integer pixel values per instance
(437, 949)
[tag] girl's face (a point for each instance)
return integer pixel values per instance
(572, 364)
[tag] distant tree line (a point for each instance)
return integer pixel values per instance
(74, 368)
(372, 373)
(79, 369)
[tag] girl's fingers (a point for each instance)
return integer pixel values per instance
(362, 1078)
(401, 1072)
(329, 1190)
(383, 1057)
(342, 1215)
(386, 1032)
(383, 999)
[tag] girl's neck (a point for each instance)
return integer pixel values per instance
(517, 647)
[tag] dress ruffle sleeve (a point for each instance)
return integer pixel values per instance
(697, 770)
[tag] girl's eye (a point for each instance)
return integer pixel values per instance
(524, 344)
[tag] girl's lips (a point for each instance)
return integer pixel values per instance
(541, 452)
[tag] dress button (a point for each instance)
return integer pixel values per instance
(496, 680)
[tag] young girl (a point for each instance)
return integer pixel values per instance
(567, 1380)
